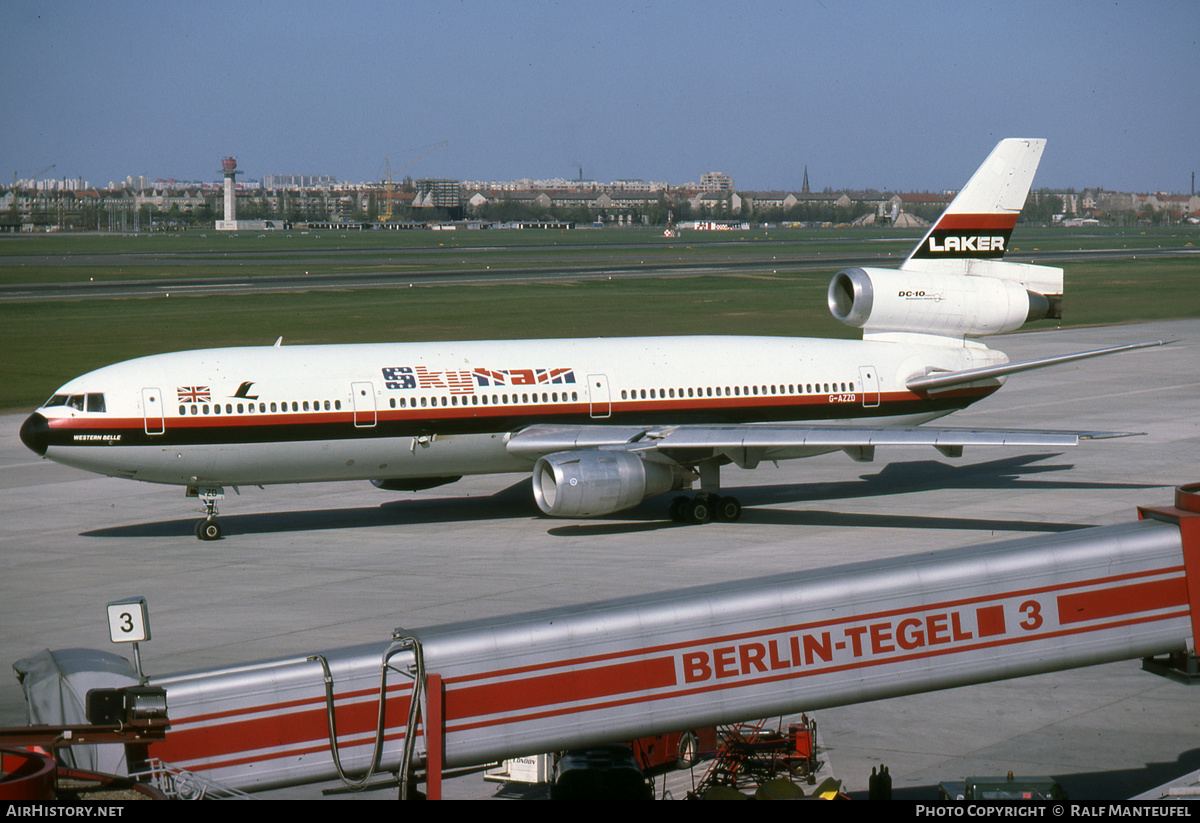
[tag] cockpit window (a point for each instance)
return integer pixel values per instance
(93, 402)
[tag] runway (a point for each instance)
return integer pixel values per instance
(391, 268)
(304, 568)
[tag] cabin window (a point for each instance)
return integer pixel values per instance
(182, 411)
(216, 408)
(95, 402)
(240, 408)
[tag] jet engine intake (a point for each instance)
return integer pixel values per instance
(594, 482)
(890, 300)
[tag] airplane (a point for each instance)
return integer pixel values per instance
(601, 424)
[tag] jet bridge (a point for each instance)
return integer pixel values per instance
(617, 670)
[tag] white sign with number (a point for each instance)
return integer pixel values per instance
(129, 621)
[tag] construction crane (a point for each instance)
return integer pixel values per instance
(389, 188)
(34, 178)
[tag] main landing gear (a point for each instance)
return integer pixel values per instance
(704, 508)
(709, 504)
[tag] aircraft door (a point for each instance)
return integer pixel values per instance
(363, 398)
(152, 411)
(870, 386)
(599, 402)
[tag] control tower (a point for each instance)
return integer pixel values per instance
(230, 169)
(231, 223)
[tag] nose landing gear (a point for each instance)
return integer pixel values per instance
(208, 528)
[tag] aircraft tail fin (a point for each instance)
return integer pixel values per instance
(979, 221)
(955, 284)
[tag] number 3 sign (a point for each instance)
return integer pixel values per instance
(129, 620)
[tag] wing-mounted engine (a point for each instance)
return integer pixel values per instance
(947, 304)
(594, 482)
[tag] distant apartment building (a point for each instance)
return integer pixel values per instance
(715, 181)
(299, 181)
(443, 194)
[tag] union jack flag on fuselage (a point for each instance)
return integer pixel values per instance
(193, 394)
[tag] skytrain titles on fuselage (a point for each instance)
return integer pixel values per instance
(464, 381)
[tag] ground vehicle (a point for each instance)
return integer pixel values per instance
(1002, 788)
(603, 773)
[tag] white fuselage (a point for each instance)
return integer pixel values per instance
(288, 414)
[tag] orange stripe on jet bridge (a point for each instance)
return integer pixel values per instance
(1122, 600)
(565, 687)
(977, 221)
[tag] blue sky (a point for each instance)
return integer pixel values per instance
(900, 95)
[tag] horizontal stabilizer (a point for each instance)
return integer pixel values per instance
(944, 380)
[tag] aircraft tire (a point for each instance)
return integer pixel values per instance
(729, 509)
(208, 530)
(699, 509)
(676, 508)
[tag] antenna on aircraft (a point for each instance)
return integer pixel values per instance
(279, 341)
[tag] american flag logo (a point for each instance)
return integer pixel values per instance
(400, 377)
(523, 377)
(193, 394)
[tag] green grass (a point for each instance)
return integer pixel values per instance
(43, 344)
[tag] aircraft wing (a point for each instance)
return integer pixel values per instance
(747, 444)
(935, 381)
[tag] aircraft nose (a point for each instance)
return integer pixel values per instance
(35, 433)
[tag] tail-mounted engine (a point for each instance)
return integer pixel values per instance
(922, 302)
(593, 482)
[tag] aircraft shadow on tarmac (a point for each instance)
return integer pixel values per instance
(1004, 475)
(1116, 784)
(516, 501)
